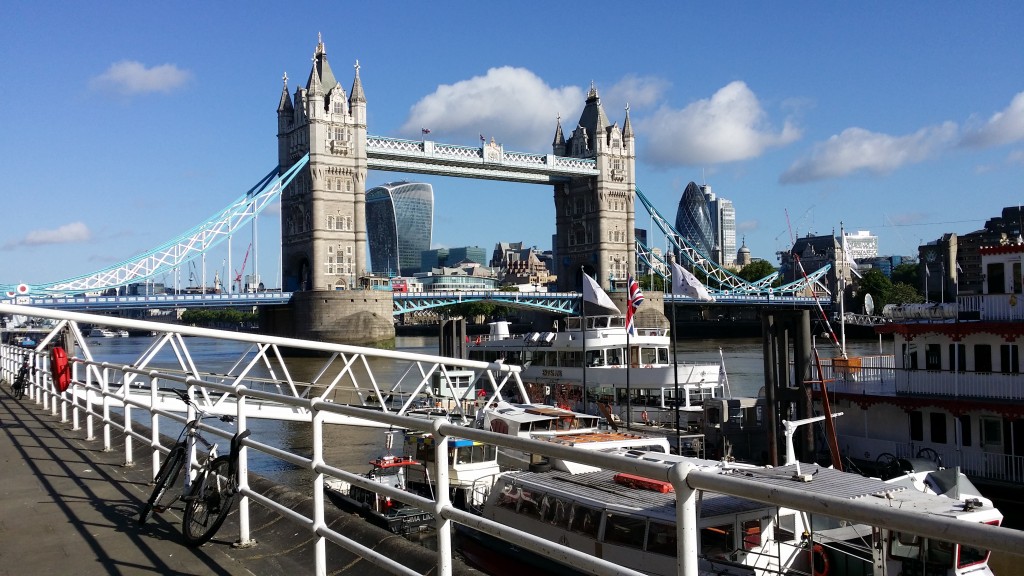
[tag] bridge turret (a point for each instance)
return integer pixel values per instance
(558, 146)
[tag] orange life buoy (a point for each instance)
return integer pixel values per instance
(819, 561)
(59, 368)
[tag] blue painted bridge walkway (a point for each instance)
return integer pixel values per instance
(69, 507)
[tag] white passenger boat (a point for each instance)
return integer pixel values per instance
(952, 389)
(631, 521)
(100, 332)
(557, 364)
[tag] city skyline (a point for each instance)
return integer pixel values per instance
(866, 116)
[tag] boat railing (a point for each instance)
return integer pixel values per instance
(993, 466)
(877, 375)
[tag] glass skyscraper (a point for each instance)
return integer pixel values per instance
(399, 221)
(693, 220)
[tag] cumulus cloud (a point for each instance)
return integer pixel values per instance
(728, 127)
(1004, 127)
(129, 78)
(858, 150)
(637, 91)
(73, 232)
(512, 105)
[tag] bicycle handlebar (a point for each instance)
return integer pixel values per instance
(183, 394)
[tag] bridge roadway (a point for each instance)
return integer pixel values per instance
(68, 507)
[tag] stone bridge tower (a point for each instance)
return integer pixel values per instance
(594, 217)
(323, 215)
(323, 223)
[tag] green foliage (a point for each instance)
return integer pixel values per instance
(907, 273)
(903, 293)
(651, 282)
(757, 270)
(875, 283)
(218, 317)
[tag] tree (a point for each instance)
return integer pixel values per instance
(907, 273)
(902, 293)
(756, 270)
(875, 283)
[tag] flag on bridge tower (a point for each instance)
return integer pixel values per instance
(425, 130)
(634, 299)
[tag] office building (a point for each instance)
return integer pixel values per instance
(399, 221)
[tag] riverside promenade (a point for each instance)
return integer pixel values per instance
(68, 507)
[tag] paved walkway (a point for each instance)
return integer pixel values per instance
(68, 507)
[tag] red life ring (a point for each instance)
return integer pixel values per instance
(60, 371)
(643, 416)
(819, 561)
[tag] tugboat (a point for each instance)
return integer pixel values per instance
(381, 510)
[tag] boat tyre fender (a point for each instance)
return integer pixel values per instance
(544, 466)
(819, 561)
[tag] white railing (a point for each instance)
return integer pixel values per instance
(105, 385)
(876, 375)
(994, 307)
(976, 464)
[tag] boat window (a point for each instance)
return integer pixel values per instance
(601, 322)
(570, 359)
(1009, 359)
(648, 356)
(969, 555)
(617, 322)
(714, 416)
(965, 429)
(958, 358)
(982, 357)
(624, 530)
(662, 355)
(916, 426)
(938, 426)
(933, 357)
(751, 534)
(584, 520)
(529, 503)
(905, 546)
(572, 323)
(509, 497)
(595, 357)
(785, 527)
(555, 511)
(661, 539)
(716, 541)
(614, 356)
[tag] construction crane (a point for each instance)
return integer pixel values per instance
(238, 273)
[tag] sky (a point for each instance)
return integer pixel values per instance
(128, 123)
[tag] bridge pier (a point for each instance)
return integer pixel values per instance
(355, 317)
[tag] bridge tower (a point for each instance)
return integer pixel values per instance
(323, 215)
(594, 217)
(323, 220)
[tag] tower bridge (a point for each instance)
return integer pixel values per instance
(324, 155)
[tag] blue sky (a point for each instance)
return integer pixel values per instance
(127, 123)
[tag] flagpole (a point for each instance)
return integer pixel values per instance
(675, 361)
(583, 327)
(629, 368)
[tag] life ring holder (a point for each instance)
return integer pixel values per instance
(59, 368)
(819, 561)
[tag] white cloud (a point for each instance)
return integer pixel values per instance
(512, 105)
(859, 150)
(129, 77)
(728, 127)
(73, 232)
(1005, 127)
(637, 91)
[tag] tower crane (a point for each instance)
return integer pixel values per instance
(238, 273)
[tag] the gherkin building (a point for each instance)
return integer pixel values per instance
(693, 220)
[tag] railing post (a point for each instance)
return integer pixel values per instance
(105, 387)
(443, 525)
(128, 455)
(320, 547)
(154, 429)
(75, 423)
(686, 520)
(242, 472)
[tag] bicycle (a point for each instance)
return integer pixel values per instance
(210, 497)
(18, 387)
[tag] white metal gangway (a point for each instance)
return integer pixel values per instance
(374, 379)
(688, 480)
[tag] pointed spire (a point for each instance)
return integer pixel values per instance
(313, 86)
(627, 128)
(559, 137)
(357, 88)
(285, 104)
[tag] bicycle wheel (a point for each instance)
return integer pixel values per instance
(208, 502)
(168, 474)
(19, 391)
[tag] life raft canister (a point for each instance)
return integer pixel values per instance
(59, 368)
(819, 561)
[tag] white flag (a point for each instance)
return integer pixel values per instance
(593, 293)
(851, 263)
(685, 283)
(926, 272)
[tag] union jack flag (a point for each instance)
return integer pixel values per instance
(633, 301)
